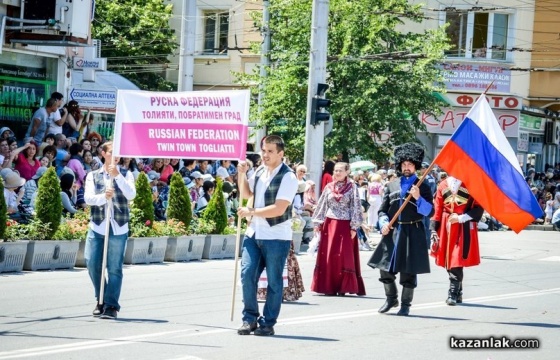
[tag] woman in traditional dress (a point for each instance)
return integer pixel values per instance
(337, 217)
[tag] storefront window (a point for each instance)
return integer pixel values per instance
(26, 82)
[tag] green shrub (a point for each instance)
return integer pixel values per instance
(49, 202)
(200, 226)
(142, 208)
(216, 210)
(179, 203)
(3, 211)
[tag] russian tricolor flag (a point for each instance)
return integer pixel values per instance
(479, 154)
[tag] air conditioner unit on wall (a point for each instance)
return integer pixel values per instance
(74, 17)
(11, 2)
(70, 18)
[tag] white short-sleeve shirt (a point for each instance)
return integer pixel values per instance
(287, 191)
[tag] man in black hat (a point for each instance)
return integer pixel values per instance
(403, 247)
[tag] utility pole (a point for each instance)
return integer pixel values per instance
(265, 62)
(315, 135)
(186, 51)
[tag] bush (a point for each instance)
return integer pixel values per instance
(179, 204)
(74, 228)
(142, 209)
(49, 203)
(171, 227)
(216, 210)
(201, 226)
(3, 211)
(34, 230)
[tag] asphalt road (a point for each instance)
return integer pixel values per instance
(182, 311)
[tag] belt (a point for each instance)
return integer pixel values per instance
(409, 222)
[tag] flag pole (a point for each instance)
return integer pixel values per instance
(407, 200)
(488, 87)
(237, 247)
(106, 241)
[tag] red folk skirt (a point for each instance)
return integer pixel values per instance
(337, 269)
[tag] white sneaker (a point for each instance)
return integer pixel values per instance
(365, 247)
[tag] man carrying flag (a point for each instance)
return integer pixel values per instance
(480, 155)
(403, 248)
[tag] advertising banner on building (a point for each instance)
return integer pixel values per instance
(477, 77)
(452, 118)
(209, 125)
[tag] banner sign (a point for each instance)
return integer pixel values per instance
(452, 118)
(509, 102)
(92, 97)
(477, 77)
(209, 125)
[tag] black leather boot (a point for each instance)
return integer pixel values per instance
(453, 293)
(460, 294)
(392, 297)
(406, 301)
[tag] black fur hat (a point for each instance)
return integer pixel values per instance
(409, 152)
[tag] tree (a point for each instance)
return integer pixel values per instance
(379, 77)
(136, 39)
(179, 205)
(49, 202)
(143, 205)
(216, 209)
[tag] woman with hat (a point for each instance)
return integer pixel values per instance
(13, 182)
(6, 132)
(338, 216)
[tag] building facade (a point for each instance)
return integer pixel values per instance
(225, 31)
(38, 40)
(508, 42)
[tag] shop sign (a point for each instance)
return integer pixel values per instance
(523, 141)
(535, 148)
(532, 123)
(81, 63)
(18, 99)
(105, 98)
(495, 101)
(23, 72)
(450, 120)
(476, 77)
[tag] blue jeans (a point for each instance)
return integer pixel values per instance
(93, 255)
(258, 254)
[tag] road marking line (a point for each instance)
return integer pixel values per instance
(54, 349)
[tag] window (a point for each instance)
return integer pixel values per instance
(216, 28)
(478, 35)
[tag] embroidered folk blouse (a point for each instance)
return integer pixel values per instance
(348, 208)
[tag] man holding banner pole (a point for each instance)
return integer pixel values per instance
(108, 192)
(269, 235)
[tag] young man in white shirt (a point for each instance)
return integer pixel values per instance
(268, 236)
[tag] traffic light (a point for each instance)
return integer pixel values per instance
(319, 105)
